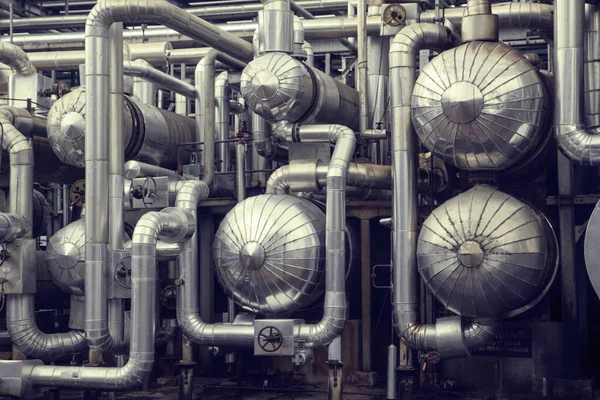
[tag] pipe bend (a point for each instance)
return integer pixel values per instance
(577, 144)
(279, 181)
(417, 36)
(16, 58)
(30, 340)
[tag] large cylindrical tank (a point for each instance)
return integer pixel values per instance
(480, 106)
(279, 87)
(485, 253)
(269, 253)
(150, 135)
(65, 257)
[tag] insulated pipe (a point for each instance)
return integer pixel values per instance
(13, 227)
(321, 28)
(137, 169)
(222, 120)
(171, 225)
(592, 69)
(229, 12)
(240, 158)
(362, 67)
(276, 27)
(573, 139)
(511, 15)
(334, 310)
(205, 107)
(479, 24)
(99, 43)
(16, 58)
(449, 335)
(146, 71)
(296, 177)
(378, 47)
(20, 311)
(188, 306)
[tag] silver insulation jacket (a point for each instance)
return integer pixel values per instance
(168, 224)
(449, 334)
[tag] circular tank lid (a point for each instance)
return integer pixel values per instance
(480, 106)
(277, 87)
(485, 253)
(269, 253)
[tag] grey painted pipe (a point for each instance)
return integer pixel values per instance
(20, 315)
(146, 71)
(449, 335)
(569, 74)
(170, 224)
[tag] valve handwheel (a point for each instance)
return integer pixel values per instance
(270, 339)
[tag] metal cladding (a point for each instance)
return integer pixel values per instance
(66, 128)
(592, 250)
(279, 87)
(485, 253)
(65, 257)
(269, 253)
(480, 106)
(149, 135)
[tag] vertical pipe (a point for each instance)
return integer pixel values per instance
(65, 204)
(362, 84)
(240, 156)
(365, 247)
(10, 32)
(222, 120)
(571, 296)
(391, 372)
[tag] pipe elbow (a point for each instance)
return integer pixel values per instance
(190, 193)
(476, 334)
(577, 144)
(16, 58)
(279, 181)
(411, 39)
(31, 341)
(330, 326)
(284, 131)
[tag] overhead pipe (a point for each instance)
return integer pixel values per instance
(170, 225)
(137, 169)
(20, 308)
(511, 15)
(575, 142)
(230, 12)
(451, 336)
(146, 71)
(321, 28)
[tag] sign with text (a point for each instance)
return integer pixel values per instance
(509, 342)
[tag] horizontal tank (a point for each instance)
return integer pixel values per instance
(279, 87)
(485, 253)
(480, 106)
(269, 253)
(150, 134)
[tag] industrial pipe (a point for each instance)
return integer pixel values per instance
(20, 311)
(573, 139)
(321, 28)
(172, 225)
(222, 120)
(146, 71)
(16, 58)
(511, 15)
(448, 336)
